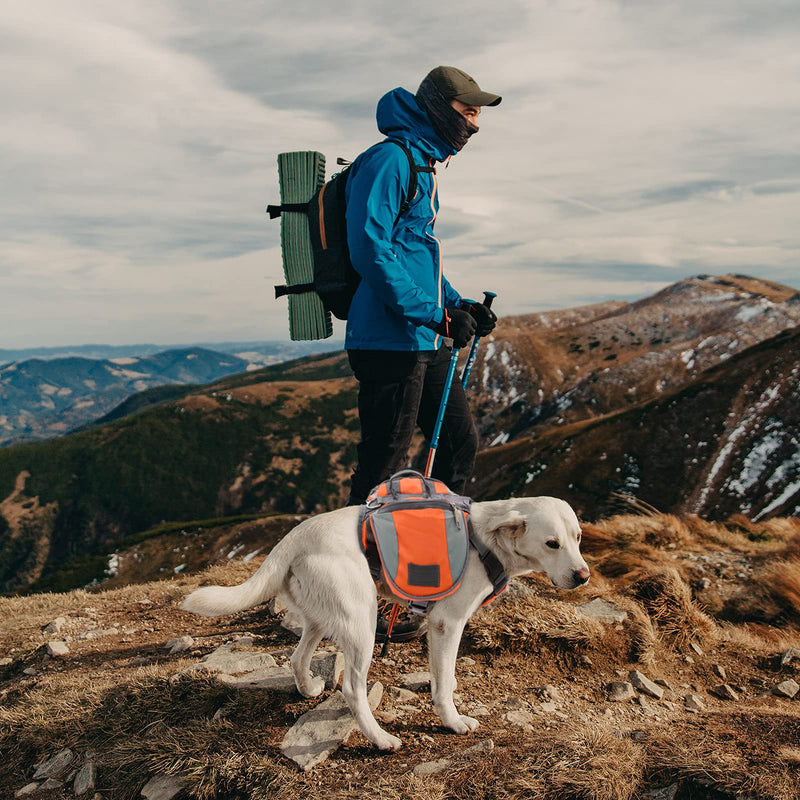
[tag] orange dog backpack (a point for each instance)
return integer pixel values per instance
(416, 535)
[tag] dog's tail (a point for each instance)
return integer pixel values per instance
(266, 582)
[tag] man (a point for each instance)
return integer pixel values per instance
(404, 307)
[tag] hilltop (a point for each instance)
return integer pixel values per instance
(703, 618)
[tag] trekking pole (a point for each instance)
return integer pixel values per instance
(437, 428)
(488, 297)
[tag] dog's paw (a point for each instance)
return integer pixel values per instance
(313, 687)
(464, 724)
(388, 742)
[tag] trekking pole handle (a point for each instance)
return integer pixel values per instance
(488, 299)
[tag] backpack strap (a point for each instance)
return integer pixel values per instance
(412, 182)
(276, 211)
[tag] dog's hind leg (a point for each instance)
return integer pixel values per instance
(358, 655)
(444, 634)
(307, 684)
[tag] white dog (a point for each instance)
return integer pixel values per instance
(321, 572)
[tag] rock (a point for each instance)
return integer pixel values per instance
(55, 626)
(486, 746)
(466, 661)
(28, 789)
(519, 716)
(586, 661)
(162, 787)
(401, 695)
(480, 711)
(620, 691)
(50, 784)
(665, 684)
(224, 659)
(179, 645)
(5, 662)
(720, 672)
(697, 649)
(85, 779)
(319, 732)
(603, 610)
(786, 689)
(693, 702)
(278, 679)
(55, 766)
(513, 702)
(431, 767)
(329, 666)
(416, 680)
(30, 671)
(644, 684)
(724, 692)
(663, 793)
(789, 656)
(57, 649)
(552, 692)
(549, 707)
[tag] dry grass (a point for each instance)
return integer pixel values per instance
(668, 602)
(144, 720)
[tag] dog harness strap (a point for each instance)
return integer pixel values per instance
(491, 563)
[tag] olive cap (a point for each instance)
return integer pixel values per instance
(455, 84)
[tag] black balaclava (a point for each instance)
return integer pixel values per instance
(448, 123)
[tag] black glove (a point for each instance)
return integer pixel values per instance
(484, 317)
(457, 324)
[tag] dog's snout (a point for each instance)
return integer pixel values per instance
(581, 576)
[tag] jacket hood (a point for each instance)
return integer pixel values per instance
(400, 117)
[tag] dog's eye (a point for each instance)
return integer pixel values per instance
(553, 544)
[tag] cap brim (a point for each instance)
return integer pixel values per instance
(479, 98)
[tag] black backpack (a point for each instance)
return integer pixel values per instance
(335, 280)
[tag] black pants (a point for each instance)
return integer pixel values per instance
(398, 391)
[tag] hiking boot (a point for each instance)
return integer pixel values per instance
(406, 625)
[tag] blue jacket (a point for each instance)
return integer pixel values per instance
(403, 289)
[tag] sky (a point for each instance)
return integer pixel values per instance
(637, 143)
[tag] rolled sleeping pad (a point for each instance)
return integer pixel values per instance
(300, 174)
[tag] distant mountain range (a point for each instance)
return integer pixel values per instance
(688, 401)
(61, 390)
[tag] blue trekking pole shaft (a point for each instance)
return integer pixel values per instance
(488, 297)
(437, 429)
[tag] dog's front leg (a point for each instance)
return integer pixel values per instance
(444, 634)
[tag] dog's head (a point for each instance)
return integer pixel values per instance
(540, 534)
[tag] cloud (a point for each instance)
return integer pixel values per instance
(635, 144)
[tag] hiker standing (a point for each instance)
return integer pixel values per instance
(404, 306)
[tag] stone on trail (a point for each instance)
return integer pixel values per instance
(27, 790)
(789, 656)
(724, 692)
(57, 649)
(162, 787)
(620, 691)
(179, 645)
(319, 732)
(787, 689)
(55, 766)
(328, 666)
(416, 680)
(694, 702)
(431, 767)
(85, 779)
(225, 659)
(644, 684)
(55, 626)
(603, 610)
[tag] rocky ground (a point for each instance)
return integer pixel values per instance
(673, 675)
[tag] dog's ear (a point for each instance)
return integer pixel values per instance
(511, 525)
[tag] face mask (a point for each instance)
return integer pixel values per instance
(451, 126)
